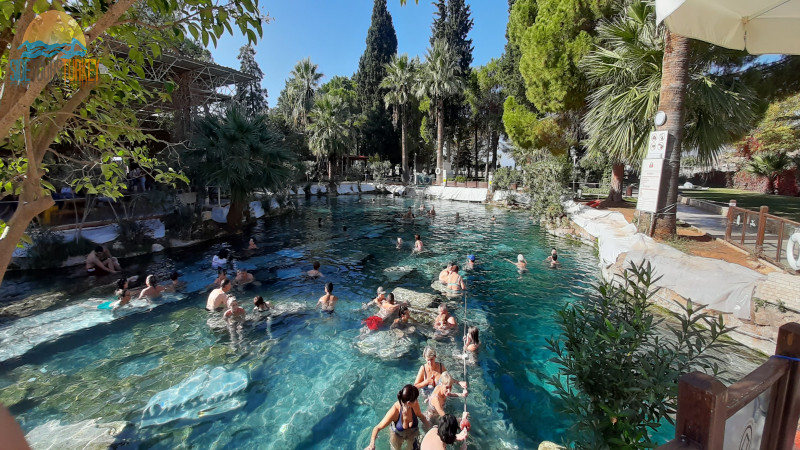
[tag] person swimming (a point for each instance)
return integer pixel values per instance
(152, 290)
(443, 390)
(315, 273)
(432, 212)
(219, 296)
(328, 301)
(243, 277)
(260, 307)
(122, 293)
(252, 244)
(444, 322)
(418, 243)
(404, 417)
(457, 217)
(470, 262)
(408, 215)
(445, 273)
(403, 318)
(399, 243)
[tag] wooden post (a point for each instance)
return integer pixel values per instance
(731, 213)
(784, 407)
(701, 414)
(762, 224)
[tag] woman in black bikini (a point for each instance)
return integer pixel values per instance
(404, 417)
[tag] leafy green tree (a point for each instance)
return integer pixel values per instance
(250, 94)
(96, 121)
(618, 373)
(626, 72)
(452, 24)
(400, 81)
(769, 165)
(778, 130)
(240, 152)
(329, 131)
(300, 90)
(553, 45)
(439, 81)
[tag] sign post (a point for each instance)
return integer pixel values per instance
(651, 177)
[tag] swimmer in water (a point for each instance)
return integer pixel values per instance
(454, 280)
(432, 212)
(328, 301)
(494, 219)
(403, 318)
(421, 208)
(152, 290)
(408, 215)
(417, 243)
(381, 297)
(122, 293)
(220, 259)
(553, 258)
(471, 340)
(252, 244)
(319, 222)
(445, 433)
(399, 243)
(175, 284)
(260, 306)
(442, 391)
(222, 275)
(457, 217)
(521, 264)
(315, 273)
(219, 296)
(243, 277)
(444, 322)
(234, 313)
(470, 262)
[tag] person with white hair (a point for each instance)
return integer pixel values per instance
(437, 400)
(234, 313)
(444, 322)
(521, 264)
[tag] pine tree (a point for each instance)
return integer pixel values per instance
(381, 46)
(452, 23)
(376, 124)
(250, 94)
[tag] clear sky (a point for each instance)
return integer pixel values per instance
(334, 32)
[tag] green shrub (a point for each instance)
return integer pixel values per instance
(47, 249)
(181, 223)
(461, 179)
(505, 177)
(134, 236)
(619, 364)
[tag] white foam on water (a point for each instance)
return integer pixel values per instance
(206, 392)
(20, 336)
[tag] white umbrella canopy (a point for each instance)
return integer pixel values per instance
(758, 26)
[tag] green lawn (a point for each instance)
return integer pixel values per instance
(779, 205)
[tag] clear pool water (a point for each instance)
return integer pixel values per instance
(301, 381)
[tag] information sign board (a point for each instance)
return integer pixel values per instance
(650, 185)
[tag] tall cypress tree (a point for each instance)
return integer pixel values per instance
(250, 94)
(453, 22)
(379, 135)
(381, 46)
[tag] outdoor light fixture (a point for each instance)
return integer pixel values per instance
(660, 118)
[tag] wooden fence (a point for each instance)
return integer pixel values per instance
(760, 233)
(760, 411)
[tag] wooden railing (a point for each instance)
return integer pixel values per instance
(760, 233)
(760, 411)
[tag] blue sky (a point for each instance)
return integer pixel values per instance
(333, 33)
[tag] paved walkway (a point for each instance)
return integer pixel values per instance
(713, 224)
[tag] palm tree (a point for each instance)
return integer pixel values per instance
(304, 84)
(626, 70)
(241, 153)
(439, 80)
(400, 80)
(329, 130)
(769, 165)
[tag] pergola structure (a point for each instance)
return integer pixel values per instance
(199, 84)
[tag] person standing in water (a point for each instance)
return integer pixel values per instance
(432, 212)
(235, 313)
(328, 301)
(417, 243)
(521, 263)
(399, 243)
(315, 273)
(445, 273)
(404, 417)
(152, 290)
(553, 258)
(454, 281)
(471, 341)
(218, 298)
(252, 244)
(260, 306)
(445, 433)
(470, 262)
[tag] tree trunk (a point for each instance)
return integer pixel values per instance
(235, 214)
(495, 142)
(439, 140)
(331, 181)
(615, 189)
(674, 79)
(403, 150)
(477, 161)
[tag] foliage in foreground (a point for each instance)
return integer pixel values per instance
(619, 363)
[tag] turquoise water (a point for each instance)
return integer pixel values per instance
(300, 381)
